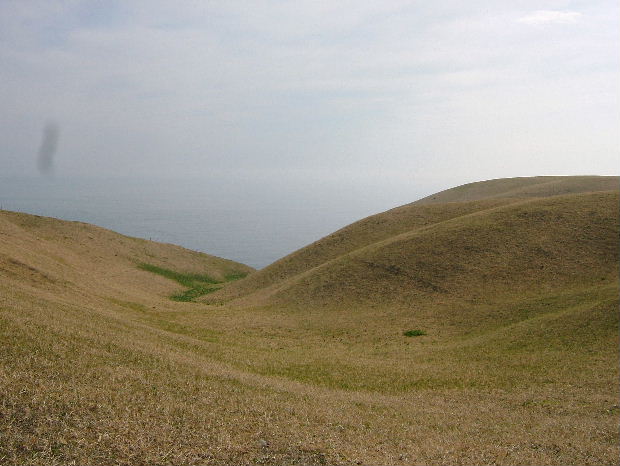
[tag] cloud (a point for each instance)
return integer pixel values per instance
(551, 17)
(209, 86)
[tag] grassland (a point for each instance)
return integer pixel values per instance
(197, 284)
(308, 360)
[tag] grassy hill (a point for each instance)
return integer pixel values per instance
(476, 326)
(482, 233)
(46, 253)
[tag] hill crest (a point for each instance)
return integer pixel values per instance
(413, 219)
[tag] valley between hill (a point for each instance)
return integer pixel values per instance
(478, 325)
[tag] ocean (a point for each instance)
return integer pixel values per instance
(249, 221)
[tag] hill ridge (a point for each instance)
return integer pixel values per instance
(525, 187)
(239, 291)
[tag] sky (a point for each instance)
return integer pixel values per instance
(383, 92)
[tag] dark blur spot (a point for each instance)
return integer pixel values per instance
(49, 143)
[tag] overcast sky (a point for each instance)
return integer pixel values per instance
(434, 92)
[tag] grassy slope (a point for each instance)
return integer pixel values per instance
(459, 204)
(355, 236)
(561, 241)
(519, 364)
(58, 255)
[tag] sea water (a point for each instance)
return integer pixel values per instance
(249, 221)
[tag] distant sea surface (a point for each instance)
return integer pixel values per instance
(251, 222)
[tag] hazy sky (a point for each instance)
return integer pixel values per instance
(394, 91)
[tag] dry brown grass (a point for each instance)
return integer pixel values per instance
(451, 248)
(520, 188)
(519, 364)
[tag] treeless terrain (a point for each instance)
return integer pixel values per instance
(475, 326)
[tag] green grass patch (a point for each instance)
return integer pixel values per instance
(193, 293)
(414, 333)
(235, 276)
(197, 284)
(185, 279)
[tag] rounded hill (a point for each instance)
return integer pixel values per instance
(472, 240)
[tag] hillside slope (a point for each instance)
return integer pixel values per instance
(550, 243)
(423, 238)
(62, 256)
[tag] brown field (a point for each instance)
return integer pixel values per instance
(513, 283)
